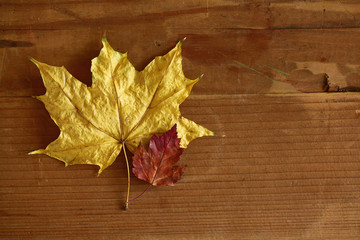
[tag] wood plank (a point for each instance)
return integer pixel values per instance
(224, 14)
(282, 166)
(232, 61)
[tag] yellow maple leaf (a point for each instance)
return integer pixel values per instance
(122, 107)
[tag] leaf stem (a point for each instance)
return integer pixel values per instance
(140, 194)
(128, 180)
(151, 184)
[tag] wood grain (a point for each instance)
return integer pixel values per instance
(285, 162)
(42, 14)
(285, 61)
(279, 162)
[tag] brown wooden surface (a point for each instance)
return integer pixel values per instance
(285, 163)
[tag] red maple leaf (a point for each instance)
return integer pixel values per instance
(155, 164)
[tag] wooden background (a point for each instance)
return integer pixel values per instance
(279, 89)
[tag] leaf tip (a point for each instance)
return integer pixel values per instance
(33, 60)
(104, 39)
(181, 41)
(101, 168)
(39, 151)
(106, 44)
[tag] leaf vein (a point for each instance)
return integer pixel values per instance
(84, 146)
(79, 111)
(153, 97)
(117, 97)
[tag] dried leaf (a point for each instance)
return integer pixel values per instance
(155, 164)
(122, 107)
